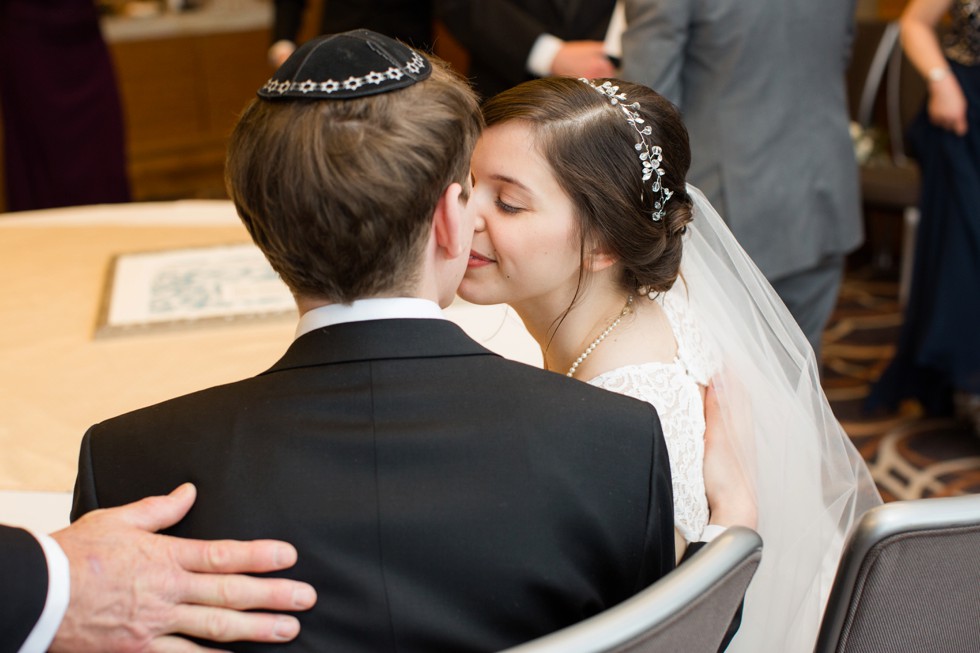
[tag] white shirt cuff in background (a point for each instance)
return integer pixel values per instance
(56, 603)
(543, 54)
(613, 43)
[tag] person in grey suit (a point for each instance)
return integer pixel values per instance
(441, 498)
(761, 85)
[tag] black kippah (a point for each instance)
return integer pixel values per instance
(346, 65)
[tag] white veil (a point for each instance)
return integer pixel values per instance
(811, 483)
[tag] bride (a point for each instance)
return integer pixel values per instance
(629, 280)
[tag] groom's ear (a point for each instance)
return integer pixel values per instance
(449, 223)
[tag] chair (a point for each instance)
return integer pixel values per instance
(891, 183)
(874, 42)
(688, 610)
(908, 581)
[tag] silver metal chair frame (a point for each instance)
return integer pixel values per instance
(677, 598)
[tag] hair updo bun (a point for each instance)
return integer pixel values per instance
(591, 148)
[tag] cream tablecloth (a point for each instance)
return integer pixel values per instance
(56, 379)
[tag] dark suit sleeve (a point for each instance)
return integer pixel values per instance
(691, 549)
(498, 33)
(659, 538)
(85, 499)
(287, 21)
(24, 574)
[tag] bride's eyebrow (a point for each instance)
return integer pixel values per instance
(510, 180)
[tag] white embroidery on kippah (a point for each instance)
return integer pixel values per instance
(413, 65)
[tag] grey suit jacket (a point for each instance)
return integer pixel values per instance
(762, 88)
(441, 497)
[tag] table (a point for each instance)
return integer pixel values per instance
(56, 379)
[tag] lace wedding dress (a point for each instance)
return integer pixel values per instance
(674, 389)
(811, 485)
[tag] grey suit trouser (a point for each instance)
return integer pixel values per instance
(811, 294)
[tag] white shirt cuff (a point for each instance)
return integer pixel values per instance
(543, 54)
(56, 603)
(711, 531)
(613, 43)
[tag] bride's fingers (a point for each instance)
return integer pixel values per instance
(728, 484)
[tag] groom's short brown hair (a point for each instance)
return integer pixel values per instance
(339, 194)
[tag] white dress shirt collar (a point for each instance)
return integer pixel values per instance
(384, 308)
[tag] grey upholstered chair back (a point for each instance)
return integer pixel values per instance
(909, 581)
(687, 610)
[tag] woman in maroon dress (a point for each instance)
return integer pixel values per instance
(63, 135)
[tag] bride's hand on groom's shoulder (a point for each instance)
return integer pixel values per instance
(728, 480)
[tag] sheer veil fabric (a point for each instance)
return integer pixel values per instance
(811, 483)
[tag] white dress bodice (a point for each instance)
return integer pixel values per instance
(674, 389)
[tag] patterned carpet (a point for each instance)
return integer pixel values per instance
(910, 456)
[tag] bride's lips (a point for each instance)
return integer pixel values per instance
(478, 260)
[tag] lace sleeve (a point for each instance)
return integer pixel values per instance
(677, 398)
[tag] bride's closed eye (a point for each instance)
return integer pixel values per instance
(507, 208)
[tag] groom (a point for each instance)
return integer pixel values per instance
(441, 497)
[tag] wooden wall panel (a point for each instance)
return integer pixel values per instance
(181, 97)
(158, 82)
(234, 68)
(890, 9)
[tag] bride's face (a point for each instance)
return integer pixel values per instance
(526, 246)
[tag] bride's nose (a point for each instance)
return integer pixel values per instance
(479, 223)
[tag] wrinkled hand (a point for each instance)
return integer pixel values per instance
(947, 105)
(728, 477)
(582, 59)
(131, 589)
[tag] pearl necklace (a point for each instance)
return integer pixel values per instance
(602, 336)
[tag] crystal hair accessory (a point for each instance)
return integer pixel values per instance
(345, 66)
(651, 157)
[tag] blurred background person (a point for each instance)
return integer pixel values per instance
(63, 132)
(512, 41)
(407, 20)
(761, 84)
(938, 357)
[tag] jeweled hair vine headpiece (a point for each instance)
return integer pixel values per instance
(651, 157)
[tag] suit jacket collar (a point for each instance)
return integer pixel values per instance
(377, 340)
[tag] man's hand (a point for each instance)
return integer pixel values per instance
(279, 52)
(582, 59)
(131, 589)
(728, 472)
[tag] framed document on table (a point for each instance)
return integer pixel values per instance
(183, 288)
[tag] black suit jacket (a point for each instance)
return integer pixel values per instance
(499, 34)
(441, 497)
(24, 579)
(408, 20)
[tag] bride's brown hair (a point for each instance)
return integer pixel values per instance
(591, 149)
